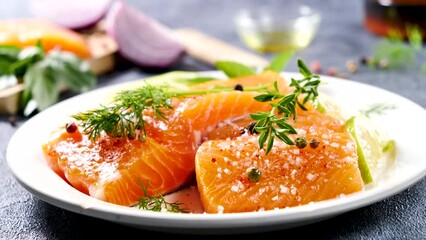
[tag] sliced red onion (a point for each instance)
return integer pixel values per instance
(140, 38)
(72, 14)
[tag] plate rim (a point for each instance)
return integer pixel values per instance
(179, 222)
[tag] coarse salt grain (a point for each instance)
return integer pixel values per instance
(310, 176)
(293, 172)
(295, 151)
(283, 189)
(298, 161)
(235, 188)
(275, 198)
(227, 171)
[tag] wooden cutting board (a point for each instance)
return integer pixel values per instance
(103, 48)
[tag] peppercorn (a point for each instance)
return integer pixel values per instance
(366, 60)
(254, 174)
(238, 87)
(301, 142)
(314, 143)
(71, 127)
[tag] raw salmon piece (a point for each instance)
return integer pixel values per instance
(289, 176)
(110, 168)
(26, 32)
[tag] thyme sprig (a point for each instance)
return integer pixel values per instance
(125, 116)
(275, 122)
(157, 203)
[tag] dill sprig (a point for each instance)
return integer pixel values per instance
(157, 203)
(124, 117)
(275, 122)
(377, 108)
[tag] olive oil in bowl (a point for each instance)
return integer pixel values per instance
(270, 31)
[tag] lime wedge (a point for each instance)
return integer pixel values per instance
(371, 145)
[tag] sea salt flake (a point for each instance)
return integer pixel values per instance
(293, 173)
(235, 188)
(283, 189)
(295, 151)
(310, 176)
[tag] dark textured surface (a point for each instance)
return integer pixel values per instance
(341, 37)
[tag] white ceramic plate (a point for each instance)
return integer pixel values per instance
(25, 159)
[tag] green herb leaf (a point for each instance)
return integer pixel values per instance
(8, 55)
(71, 71)
(27, 57)
(396, 52)
(303, 69)
(157, 203)
(234, 69)
(280, 61)
(40, 82)
(272, 124)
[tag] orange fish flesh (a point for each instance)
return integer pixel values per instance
(111, 169)
(289, 176)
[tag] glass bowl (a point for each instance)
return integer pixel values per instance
(276, 30)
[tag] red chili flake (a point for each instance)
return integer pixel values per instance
(213, 159)
(71, 127)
